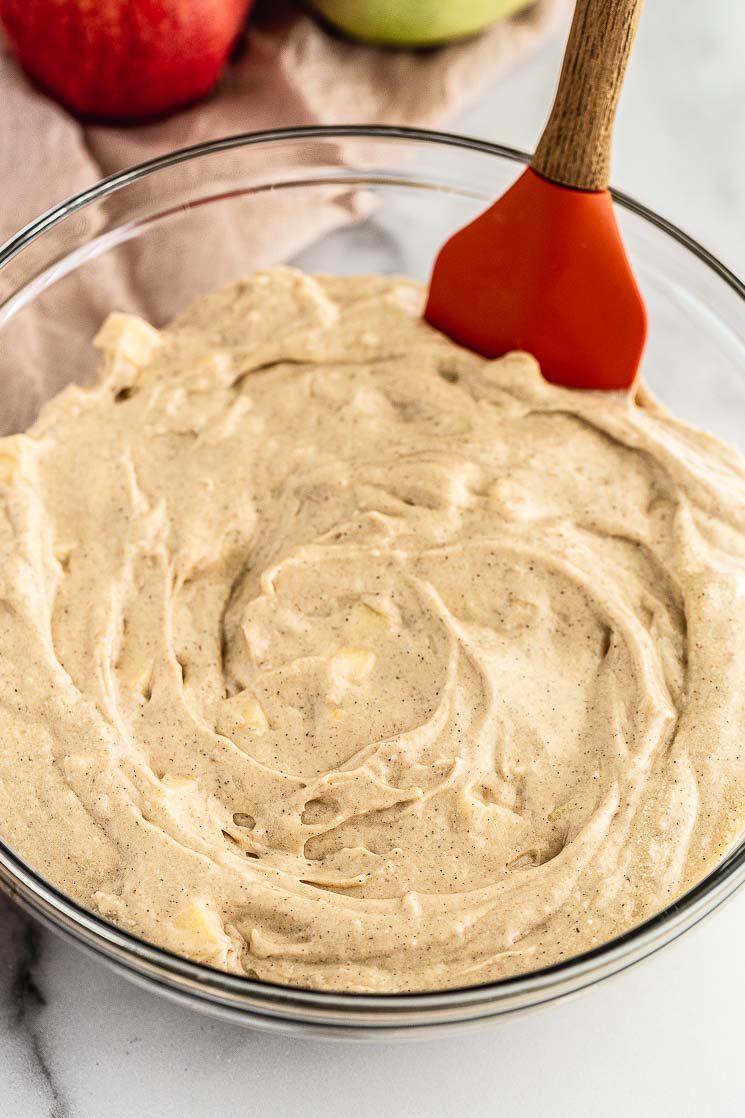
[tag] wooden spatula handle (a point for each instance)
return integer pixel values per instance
(574, 149)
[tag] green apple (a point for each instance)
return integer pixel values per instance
(414, 23)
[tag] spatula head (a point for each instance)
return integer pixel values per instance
(544, 270)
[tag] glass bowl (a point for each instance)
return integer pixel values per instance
(340, 200)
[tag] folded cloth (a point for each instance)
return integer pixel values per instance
(288, 71)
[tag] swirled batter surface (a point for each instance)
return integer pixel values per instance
(334, 654)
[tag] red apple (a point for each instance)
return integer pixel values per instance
(122, 59)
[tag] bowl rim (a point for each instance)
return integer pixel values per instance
(32, 890)
(111, 183)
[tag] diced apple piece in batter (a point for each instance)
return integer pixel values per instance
(128, 336)
(200, 921)
(368, 620)
(242, 712)
(352, 665)
(10, 459)
(8, 466)
(251, 714)
(176, 783)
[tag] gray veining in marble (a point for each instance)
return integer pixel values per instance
(22, 1006)
(76, 1041)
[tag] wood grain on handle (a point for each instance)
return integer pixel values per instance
(575, 146)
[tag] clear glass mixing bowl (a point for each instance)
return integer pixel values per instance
(341, 200)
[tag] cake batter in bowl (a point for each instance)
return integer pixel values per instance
(407, 516)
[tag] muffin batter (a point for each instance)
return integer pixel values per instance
(334, 654)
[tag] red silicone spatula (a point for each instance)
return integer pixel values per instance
(544, 269)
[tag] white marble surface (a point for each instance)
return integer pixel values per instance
(663, 1039)
(679, 143)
